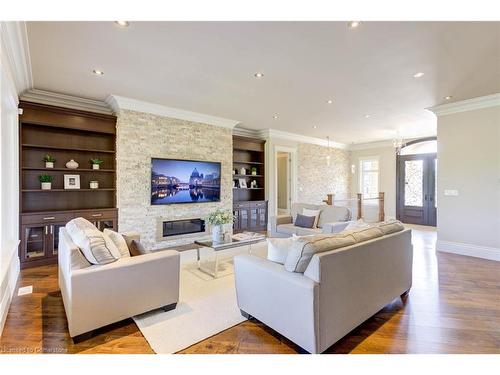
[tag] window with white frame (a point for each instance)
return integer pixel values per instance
(369, 177)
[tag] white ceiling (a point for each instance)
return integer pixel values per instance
(209, 67)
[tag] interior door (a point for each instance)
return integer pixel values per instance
(417, 189)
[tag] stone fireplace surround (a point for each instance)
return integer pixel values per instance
(142, 136)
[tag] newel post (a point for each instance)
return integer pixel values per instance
(329, 199)
(381, 211)
(360, 198)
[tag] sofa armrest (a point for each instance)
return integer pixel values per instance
(285, 301)
(279, 220)
(335, 227)
(103, 294)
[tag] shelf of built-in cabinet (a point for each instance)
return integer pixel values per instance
(64, 190)
(237, 188)
(68, 170)
(248, 162)
(30, 145)
(247, 175)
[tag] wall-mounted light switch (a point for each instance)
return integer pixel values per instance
(451, 193)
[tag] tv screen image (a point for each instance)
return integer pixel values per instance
(184, 181)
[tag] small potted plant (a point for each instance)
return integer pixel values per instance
(95, 163)
(254, 171)
(46, 181)
(216, 220)
(49, 161)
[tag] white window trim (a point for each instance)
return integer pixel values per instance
(360, 175)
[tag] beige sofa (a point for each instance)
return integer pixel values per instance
(98, 295)
(338, 290)
(332, 219)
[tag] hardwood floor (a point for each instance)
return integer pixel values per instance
(453, 307)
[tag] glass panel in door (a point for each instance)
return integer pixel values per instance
(34, 244)
(55, 237)
(414, 182)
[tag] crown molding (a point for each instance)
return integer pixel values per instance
(244, 132)
(14, 37)
(273, 133)
(66, 101)
(118, 103)
(466, 105)
(371, 145)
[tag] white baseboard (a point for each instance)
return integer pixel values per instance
(490, 253)
(8, 281)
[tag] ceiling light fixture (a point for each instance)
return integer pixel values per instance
(418, 75)
(329, 101)
(315, 126)
(259, 75)
(398, 143)
(448, 97)
(275, 116)
(98, 72)
(368, 116)
(353, 24)
(122, 23)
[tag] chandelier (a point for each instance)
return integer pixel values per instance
(398, 143)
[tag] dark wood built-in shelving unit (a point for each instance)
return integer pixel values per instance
(249, 204)
(64, 134)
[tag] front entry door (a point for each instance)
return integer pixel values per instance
(417, 189)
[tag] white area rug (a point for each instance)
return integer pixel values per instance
(206, 305)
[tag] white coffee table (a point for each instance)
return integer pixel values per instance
(220, 246)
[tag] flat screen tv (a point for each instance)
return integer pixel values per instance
(184, 181)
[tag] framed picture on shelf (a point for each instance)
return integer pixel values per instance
(242, 183)
(72, 181)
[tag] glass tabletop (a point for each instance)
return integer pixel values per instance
(230, 242)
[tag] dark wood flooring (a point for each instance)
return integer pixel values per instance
(453, 307)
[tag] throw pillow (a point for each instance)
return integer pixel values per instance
(304, 248)
(305, 221)
(392, 226)
(95, 245)
(136, 248)
(315, 213)
(119, 242)
(277, 248)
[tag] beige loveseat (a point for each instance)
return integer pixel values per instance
(324, 291)
(332, 219)
(98, 295)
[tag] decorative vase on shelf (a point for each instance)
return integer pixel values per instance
(217, 234)
(49, 164)
(46, 185)
(94, 184)
(243, 170)
(72, 164)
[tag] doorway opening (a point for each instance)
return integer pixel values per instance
(284, 182)
(416, 182)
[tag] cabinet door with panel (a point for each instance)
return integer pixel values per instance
(34, 241)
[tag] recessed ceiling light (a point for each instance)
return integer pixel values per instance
(315, 126)
(368, 116)
(353, 24)
(122, 23)
(418, 75)
(329, 101)
(275, 117)
(259, 75)
(98, 72)
(448, 97)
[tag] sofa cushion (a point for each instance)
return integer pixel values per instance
(277, 248)
(391, 226)
(119, 242)
(315, 213)
(366, 234)
(304, 248)
(332, 214)
(292, 229)
(305, 221)
(357, 225)
(95, 245)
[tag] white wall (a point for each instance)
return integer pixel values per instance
(469, 162)
(9, 190)
(387, 174)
